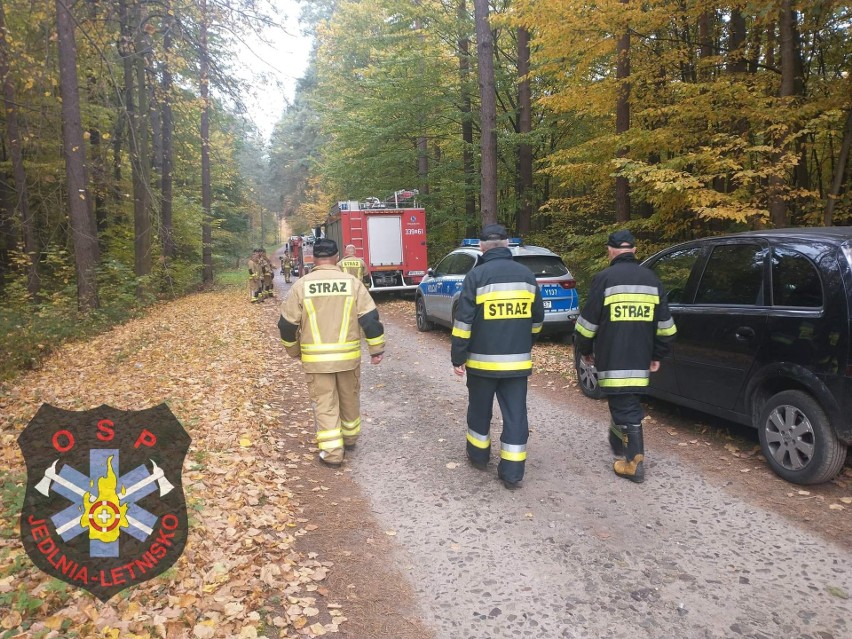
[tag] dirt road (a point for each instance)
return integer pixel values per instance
(576, 552)
(693, 552)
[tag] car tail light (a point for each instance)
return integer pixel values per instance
(568, 284)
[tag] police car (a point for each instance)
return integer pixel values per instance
(436, 297)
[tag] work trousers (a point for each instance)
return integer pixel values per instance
(625, 408)
(512, 397)
(254, 286)
(336, 400)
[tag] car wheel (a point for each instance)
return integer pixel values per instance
(797, 440)
(587, 377)
(423, 322)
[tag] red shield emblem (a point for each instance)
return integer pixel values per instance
(104, 507)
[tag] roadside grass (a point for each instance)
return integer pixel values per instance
(30, 331)
(233, 278)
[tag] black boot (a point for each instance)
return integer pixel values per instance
(633, 467)
(616, 439)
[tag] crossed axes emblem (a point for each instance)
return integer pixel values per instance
(50, 476)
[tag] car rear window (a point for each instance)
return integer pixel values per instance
(795, 281)
(543, 265)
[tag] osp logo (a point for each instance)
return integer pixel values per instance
(104, 507)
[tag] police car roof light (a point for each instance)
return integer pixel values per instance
(513, 241)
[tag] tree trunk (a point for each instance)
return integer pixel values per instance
(839, 171)
(525, 161)
(83, 231)
(422, 139)
(142, 182)
(778, 207)
(737, 61)
(622, 119)
(166, 236)
(488, 115)
(467, 117)
(13, 137)
(206, 189)
(705, 40)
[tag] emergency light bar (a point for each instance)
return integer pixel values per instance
(472, 241)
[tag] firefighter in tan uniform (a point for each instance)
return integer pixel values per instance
(266, 273)
(352, 264)
(254, 269)
(321, 321)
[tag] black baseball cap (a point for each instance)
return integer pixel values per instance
(325, 248)
(494, 232)
(621, 239)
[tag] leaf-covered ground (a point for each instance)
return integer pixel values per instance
(208, 357)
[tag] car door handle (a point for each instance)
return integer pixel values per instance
(744, 334)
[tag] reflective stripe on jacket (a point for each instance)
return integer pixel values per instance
(499, 315)
(322, 319)
(626, 323)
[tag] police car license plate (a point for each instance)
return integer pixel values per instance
(547, 304)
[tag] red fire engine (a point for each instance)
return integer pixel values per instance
(302, 254)
(390, 236)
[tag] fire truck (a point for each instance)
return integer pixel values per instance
(389, 235)
(302, 254)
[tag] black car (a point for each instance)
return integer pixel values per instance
(763, 338)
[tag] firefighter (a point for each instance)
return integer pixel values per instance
(286, 267)
(624, 330)
(499, 316)
(254, 270)
(321, 321)
(267, 273)
(352, 264)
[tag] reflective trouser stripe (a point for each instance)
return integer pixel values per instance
(617, 379)
(536, 327)
(350, 429)
(513, 452)
(478, 439)
(329, 439)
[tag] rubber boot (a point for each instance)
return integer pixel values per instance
(633, 467)
(616, 439)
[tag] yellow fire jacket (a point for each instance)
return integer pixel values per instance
(322, 319)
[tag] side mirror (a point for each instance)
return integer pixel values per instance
(430, 272)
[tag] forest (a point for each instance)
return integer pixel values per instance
(131, 171)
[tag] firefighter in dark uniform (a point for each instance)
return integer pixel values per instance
(499, 316)
(625, 329)
(321, 321)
